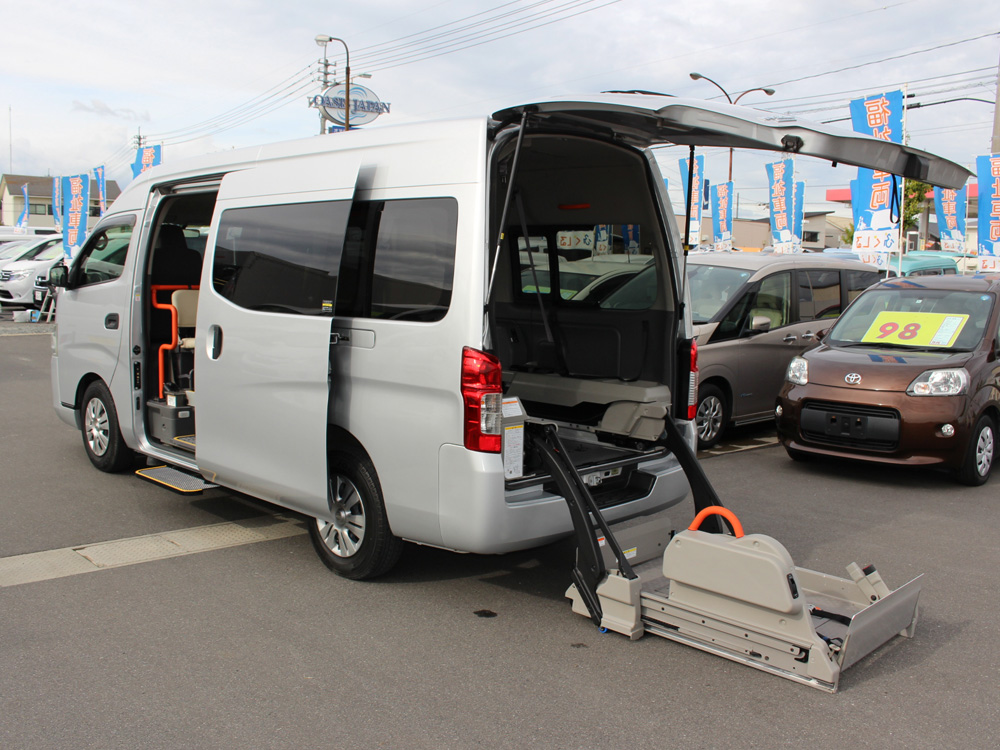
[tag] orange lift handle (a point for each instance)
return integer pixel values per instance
(718, 510)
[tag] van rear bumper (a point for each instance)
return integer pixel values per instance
(477, 515)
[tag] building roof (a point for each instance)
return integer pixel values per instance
(41, 187)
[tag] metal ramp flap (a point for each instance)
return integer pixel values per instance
(735, 595)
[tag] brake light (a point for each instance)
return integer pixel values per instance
(693, 382)
(482, 392)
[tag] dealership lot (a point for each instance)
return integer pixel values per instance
(258, 643)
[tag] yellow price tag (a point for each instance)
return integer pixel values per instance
(915, 329)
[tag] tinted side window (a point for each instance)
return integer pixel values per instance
(399, 261)
(415, 259)
(773, 299)
(857, 281)
(281, 258)
(819, 294)
(103, 257)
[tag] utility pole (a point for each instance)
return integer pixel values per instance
(139, 139)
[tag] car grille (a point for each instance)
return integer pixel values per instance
(871, 428)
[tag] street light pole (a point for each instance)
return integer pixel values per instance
(769, 92)
(322, 40)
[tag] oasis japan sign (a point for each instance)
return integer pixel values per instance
(365, 105)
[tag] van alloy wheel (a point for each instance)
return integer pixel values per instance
(102, 437)
(95, 426)
(345, 534)
(353, 538)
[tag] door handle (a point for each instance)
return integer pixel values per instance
(111, 321)
(214, 342)
(790, 338)
(808, 335)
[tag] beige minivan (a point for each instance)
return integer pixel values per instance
(752, 313)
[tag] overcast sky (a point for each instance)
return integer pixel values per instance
(79, 80)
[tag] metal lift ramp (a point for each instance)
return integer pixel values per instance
(735, 595)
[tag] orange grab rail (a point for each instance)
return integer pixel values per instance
(156, 289)
(717, 510)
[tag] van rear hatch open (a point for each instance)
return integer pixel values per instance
(643, 120)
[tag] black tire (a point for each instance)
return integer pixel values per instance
(102, 437)
(980, 454)
(357, 543)
(712, 417)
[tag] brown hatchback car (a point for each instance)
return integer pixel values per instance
(909, 374)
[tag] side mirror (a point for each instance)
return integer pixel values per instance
(760, 323)
(58, 276)
(820, 335)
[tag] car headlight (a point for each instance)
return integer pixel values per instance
(940, 383)
(798, 371)
(18, 275)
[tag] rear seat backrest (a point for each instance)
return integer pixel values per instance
(186, 302)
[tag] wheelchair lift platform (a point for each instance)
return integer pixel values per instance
(735, 595)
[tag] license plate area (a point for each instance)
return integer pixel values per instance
(850, 425)
(846, 425)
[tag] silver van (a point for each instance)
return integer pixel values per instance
(752, 313)
(343, 326)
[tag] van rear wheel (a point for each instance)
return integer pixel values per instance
(102, 437)
(355, 541)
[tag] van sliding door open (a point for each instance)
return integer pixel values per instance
(264, 334)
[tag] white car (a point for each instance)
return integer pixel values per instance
(17, 278)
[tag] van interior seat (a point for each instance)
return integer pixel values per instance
(186, 302)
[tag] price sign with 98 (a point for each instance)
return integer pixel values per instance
(915, 329)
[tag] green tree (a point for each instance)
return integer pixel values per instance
(847, 236)
(913, 202)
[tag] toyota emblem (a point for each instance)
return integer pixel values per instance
(852, 378)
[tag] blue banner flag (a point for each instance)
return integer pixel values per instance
(630, 238)
(951, 207)
(722, 216)
(988, 245)
(22, 220)
(880, 116)
(692, 193)
(76, 207)
(102, 189)
(781, 195)
(57, 201)
(145, 158)
(799, 214)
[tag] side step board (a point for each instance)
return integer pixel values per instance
(737, 596)
(175, 479)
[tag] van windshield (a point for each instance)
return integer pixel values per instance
(915, 318)
(711, 287)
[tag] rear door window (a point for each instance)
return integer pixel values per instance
(856, 282)
(819, 294)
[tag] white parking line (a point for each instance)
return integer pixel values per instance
(89, 558)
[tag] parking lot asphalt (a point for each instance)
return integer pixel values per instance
(259, 645)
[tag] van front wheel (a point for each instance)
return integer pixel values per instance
(355, 540)
(102, 437)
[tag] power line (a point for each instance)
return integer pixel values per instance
(885, 59)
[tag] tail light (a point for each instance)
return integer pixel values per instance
(692, 410)
(482, 392)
